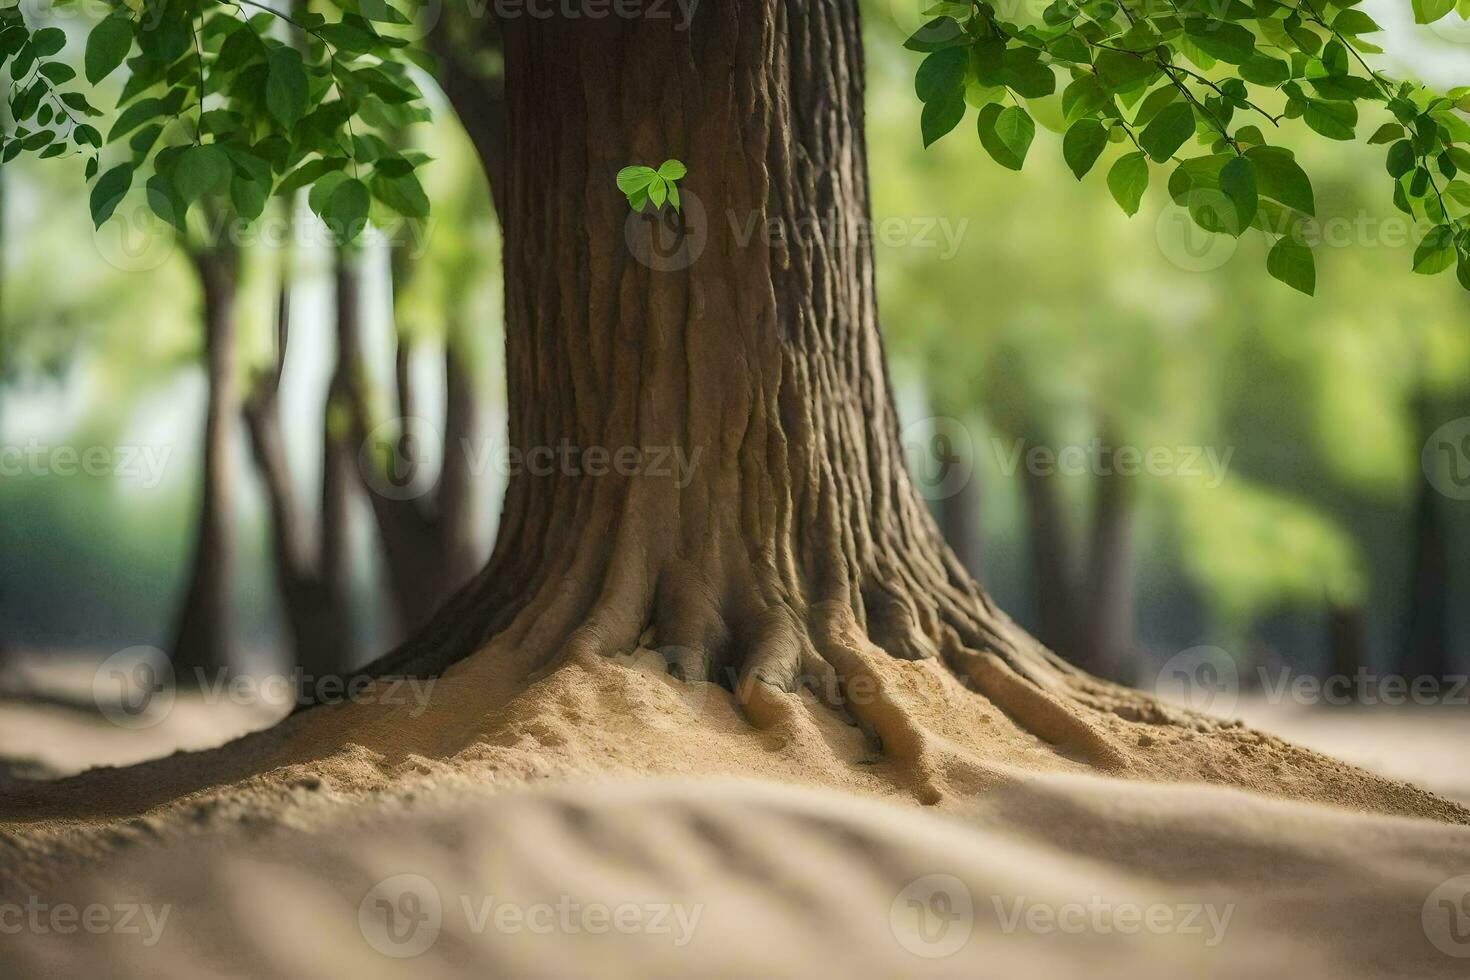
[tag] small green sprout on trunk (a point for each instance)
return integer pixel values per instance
(644, 185)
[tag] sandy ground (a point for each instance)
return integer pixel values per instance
(526, 845)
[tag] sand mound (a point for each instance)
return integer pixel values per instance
(481, 728)
(1065, 876)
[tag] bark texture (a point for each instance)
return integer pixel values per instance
(204, 635)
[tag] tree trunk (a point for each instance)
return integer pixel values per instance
(1106, 641)
(1055, 587)
(1426, 649)
(959, 512)
(790, 549)
(1347, 639)
(312, 577)
(203, 636)
(428, 542)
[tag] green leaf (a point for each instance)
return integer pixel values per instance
(109, 191)
(47, 41)
(134, 116)
(1334, 120)
(942, 74)
(200, 170)
(1292, 263)
(1238, 184)
(1127, 181)
(1280, 178)
(1401, 158)
(1120, 72)
(1230, 43)
(57, 72)
(1436, 252)
(248, 196)
(1006, 134)
(1386, 133)
(1083, 97)
(346, 209)
(107, 46)
(1083, 144)
(1170, 128)
(1025, 75)
(672, 170)
(941, 116)
(1353, 22)
(286, 89)
(1429, 11)
(1261, 69)
(403, 194)
(631, 180)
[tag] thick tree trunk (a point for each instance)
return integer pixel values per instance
(203, 636)
(790, 549)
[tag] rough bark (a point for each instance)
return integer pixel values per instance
(203, 636)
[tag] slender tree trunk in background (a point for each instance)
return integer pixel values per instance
(203, 637)
(791, 546)
(425, 529)
(312, 575)
(959, 513)
(1347, 639)
(1426, 649)
(1106, 641)
(1055, 587)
